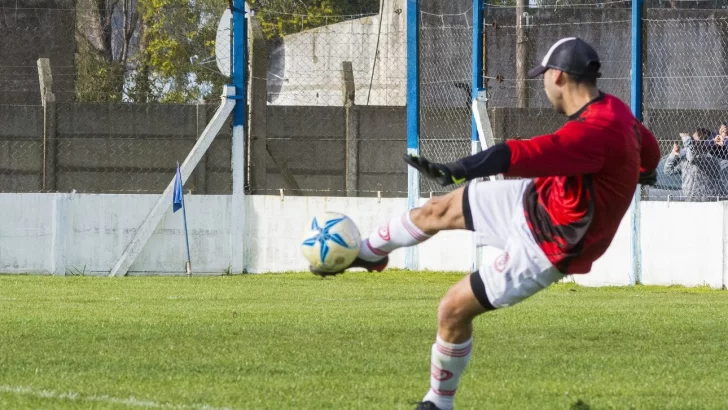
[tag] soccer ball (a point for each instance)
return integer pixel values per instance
(331, 242)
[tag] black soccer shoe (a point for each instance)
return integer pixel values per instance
(377, 266)
(426, 405)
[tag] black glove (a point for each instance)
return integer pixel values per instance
(648, 178)
(444, 174)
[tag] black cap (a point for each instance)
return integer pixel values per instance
(571, 55)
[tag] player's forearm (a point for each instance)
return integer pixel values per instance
(493, 161)
(671, 163)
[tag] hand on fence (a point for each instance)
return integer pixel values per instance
(720, 139)
(675, 149)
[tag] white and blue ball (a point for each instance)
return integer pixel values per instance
(331, 242)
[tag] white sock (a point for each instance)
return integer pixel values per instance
(398, 233)
(447, 365)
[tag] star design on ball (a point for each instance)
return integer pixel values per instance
(324, 236)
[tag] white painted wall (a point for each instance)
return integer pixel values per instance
(306, 67)
(613, 268)
(26, 233)
(682, 243)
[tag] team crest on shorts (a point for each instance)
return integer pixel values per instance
(384, 232)
(501, 262)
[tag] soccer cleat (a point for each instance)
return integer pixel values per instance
(426, 405)
(377, 266)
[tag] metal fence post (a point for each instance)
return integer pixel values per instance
(636, 104)
(411, 259)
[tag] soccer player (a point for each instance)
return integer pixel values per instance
(578, 184)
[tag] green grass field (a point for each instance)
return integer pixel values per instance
(358, 341)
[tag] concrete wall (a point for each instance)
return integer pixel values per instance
(128, 148)
(309, 144)
(684, 55)
(109, 148)
(84, 234)
(305, 68)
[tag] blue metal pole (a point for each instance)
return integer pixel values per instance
(477, 87)
(413, 115)
(477, 83)
(636, 104)
(238, 51)
(237, 75)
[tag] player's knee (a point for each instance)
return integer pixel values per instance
(437, 214)
(451, 313)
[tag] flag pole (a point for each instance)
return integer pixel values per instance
(188, 265)
(179, 196)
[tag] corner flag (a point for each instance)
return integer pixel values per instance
(178, 201)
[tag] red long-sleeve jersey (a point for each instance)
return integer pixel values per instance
(585, 175)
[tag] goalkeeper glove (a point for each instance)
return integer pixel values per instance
(444, 174)
(648, 178)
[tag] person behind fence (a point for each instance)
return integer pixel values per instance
(699, 168)
(719, 148)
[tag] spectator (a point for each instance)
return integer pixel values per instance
(719, 148)
(699, 168)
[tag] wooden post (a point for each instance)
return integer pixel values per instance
(258, 128)
(50, 149)
(352, 131)
(521, 55)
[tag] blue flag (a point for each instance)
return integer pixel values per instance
(177, 200)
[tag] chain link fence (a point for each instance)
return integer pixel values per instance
(445, 63)
(685, 104)
(328, 98)
(108, 99)
(518, 106)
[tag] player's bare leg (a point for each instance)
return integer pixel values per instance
(414, 227)
(451, 351)
(409, 229)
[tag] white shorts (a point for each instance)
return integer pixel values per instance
(513, 267)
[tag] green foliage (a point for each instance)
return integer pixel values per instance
(97, 78)
(173, 33)
(281, 17)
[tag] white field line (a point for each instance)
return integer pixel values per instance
(129, 401)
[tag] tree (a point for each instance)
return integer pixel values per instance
(163, 50)
(103, 52)
(175, 33)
